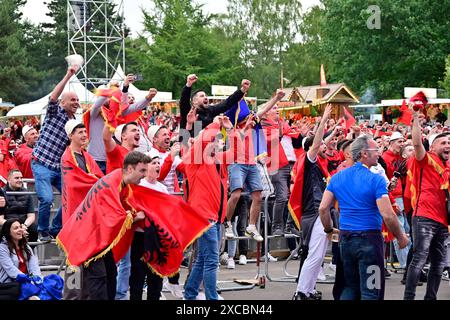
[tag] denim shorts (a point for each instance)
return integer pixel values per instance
(247, 175)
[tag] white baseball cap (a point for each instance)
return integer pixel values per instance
(437, 135)
(153, 153)
(151, 132)
(395, 136)
(118, 132)
(70, 125)
(25, 130)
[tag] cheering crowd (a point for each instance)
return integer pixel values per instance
(121, 170)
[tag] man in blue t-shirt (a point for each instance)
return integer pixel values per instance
(364, 203)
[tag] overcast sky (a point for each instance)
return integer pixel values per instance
(35, 10)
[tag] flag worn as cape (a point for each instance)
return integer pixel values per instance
(170, 226)
(76, 182)
(406, 114)
(99, 224)
(296, 198)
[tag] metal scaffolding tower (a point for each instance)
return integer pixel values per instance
(95, 33)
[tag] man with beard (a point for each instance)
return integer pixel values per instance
(429, 200)
(23, 153)
(200, 101)
(310, 183)
(331, 153)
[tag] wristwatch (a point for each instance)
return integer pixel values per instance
(328, 230)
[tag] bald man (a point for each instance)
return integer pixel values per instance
(46, 157)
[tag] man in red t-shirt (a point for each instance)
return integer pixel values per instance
(128, 136)
(429, 194)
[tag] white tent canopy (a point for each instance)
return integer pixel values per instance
(39, 107)
(140, 94)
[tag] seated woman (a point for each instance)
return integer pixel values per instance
(16, 256)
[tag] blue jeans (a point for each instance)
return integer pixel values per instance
(45, 178)
(205, 266)
(402, 254)
(123, 276)
(428, 242)
(363, 264)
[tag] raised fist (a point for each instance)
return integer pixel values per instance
(280, 94)
(191, 79)
(245, 85)
(151, 93)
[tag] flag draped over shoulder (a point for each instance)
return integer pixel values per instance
(99, 224)
(296, 199)
(171, 225)
(76, 182)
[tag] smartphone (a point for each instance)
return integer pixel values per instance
(138, 77)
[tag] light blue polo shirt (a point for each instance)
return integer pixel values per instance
(357, 189)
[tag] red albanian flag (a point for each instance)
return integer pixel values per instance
(420, 100)
(406, 115)
(76, 182)
(349, 119)
(170, 226)
(99, 224)
(113, 113)
(295, 203)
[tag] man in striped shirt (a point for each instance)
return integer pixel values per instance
(46, 157)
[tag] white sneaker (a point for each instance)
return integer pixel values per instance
(174, 289)
(332, 267)
(269, 257)
(231, 264)
(224, 258)
(200, 296)
(252, 233)
(163, 297)
(321, 276)
(242, 260)
(229, 234)
(219, 297)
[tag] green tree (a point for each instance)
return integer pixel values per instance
(446, 82)
(267, 29)
(18, 76)
(179, 40)
(409, 48)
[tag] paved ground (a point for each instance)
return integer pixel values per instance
(275, 290)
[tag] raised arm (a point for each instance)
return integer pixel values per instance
(231, 100)
(269, 104)
(419, 149)
(185, 100)
(108, 140)
(314, 150)
(57, 91)
(142, 104)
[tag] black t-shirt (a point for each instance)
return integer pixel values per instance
(81, 161)
(313, 188)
